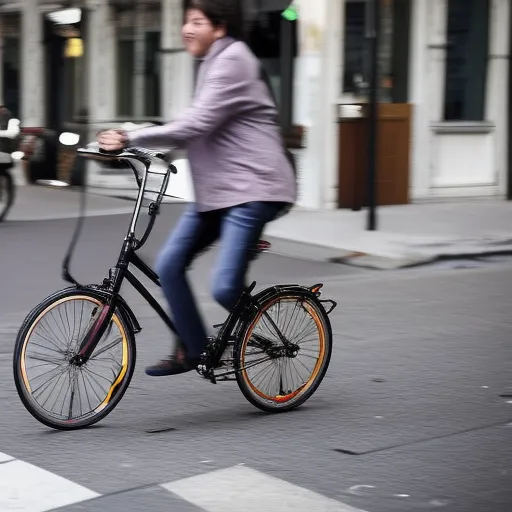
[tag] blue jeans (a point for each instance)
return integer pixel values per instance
(239, 229)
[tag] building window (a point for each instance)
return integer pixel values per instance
(356, 56)
(10, 28)
(393, 56)
(138, 60)
(466, 60)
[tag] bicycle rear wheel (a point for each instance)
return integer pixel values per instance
(276, 377)
(56, 391)
(6, 193)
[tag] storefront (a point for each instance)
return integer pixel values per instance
(443, 126)
(443, 66)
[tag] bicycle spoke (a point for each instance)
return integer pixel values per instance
(54, 386)
(86, 393)
(297, 371)
(307, 355)
(40, 386)
(52, 312)
(56, 349)
(69, 335)
(84, 374)
(264, 369)
(61, 388)
(292, 314)
(88, 373)
(303, 336)
(72, 398)
(97, 374)
(263, 380)
(107, 347)
(47, 372)
(37, 357)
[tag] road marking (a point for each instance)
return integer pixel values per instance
(5, 458)
(28, 488)
(243, 489)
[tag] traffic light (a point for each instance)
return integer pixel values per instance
(291, 12)
(287, 8)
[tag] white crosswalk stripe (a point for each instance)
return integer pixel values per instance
(28, 488)
(242, 489)
(5, 458)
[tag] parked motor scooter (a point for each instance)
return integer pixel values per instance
(7, 162)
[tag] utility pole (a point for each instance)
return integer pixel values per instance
(373, 36)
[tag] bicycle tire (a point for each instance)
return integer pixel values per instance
(306, 391)
(118, 388)
(7, 180)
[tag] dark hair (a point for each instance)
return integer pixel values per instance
(221, 13)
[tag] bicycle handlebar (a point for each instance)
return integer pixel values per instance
(141, 154)
(148, 158)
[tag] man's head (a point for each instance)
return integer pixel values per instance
(206, 21)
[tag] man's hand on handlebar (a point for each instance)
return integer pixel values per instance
(112, 140)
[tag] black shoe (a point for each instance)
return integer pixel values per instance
(173, 365)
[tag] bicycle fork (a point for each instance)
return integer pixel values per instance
(94, 334)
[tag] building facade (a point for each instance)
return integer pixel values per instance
(443, 66)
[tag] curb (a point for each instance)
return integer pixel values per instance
(366, 260)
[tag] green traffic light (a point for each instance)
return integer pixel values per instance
(290, 13)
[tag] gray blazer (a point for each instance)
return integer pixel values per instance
(233, 143)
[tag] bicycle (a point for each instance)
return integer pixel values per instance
(98, 345)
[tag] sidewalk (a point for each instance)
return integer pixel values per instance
(407, 235)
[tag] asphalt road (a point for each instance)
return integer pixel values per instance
(409, 416)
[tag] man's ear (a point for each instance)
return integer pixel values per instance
(220, 32)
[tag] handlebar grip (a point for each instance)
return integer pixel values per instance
(113, 152)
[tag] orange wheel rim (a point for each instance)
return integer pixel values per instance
(281, 399)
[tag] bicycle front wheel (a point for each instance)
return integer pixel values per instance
(55, 390)
(283, 354)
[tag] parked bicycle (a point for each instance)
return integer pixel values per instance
(75, 352)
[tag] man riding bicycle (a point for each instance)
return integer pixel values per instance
(241, 175)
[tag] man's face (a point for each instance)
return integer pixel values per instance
(199, 34)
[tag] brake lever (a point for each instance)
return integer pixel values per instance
(146, 153)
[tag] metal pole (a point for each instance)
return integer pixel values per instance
(372, 34)
(509, 173)
(286, 74)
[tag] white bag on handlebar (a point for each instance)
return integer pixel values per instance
(180, 185)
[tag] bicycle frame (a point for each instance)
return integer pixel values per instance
(113, 284)
(128, 256)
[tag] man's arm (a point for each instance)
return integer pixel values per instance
(222, 95)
